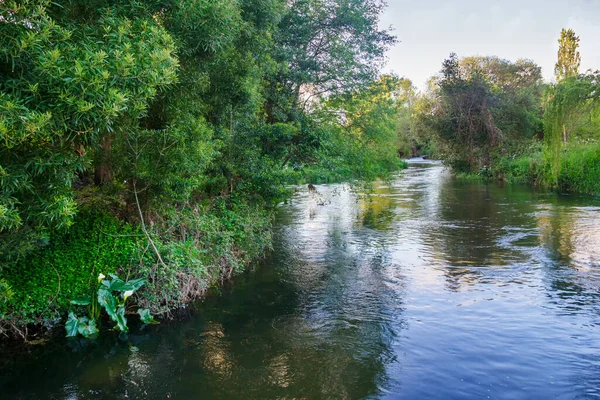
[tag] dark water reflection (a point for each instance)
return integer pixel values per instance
(431, 288)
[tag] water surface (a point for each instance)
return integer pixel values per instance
(430, 288)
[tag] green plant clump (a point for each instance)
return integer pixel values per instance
(111, 295)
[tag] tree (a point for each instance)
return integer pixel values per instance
(464, 123)
(325, 47)
(569, 59)
(163, 103)
(362, 129)
(568, 104)
(477, 104)
(68, 84)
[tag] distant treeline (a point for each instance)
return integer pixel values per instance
(498, 119)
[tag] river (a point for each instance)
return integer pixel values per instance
(430, 288)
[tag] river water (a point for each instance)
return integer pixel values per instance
(431, 288)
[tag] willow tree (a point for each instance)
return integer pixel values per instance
(569, 59)
(568, 103)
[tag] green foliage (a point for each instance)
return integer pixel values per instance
(362, 131)
(567, 161)
(44, 283)
(571, 106)
(152, 138)
(146, 317)
(325, 47)
(111, 295)
(480, 107)
(6, 295)
(569, 59)
(80, 325)
(66, 84)
(205, 244)
(580, 169)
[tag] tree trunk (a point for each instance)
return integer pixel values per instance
(103, 172)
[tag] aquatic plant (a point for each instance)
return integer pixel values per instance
(111, 294)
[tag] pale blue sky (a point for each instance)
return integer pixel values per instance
(429, 30)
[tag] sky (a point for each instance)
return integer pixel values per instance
(429, 30)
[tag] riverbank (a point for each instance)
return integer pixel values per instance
(190, 252)
(577, 170)
(35, 293)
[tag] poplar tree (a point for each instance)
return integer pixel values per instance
(569, 59)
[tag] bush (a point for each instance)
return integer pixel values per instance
(580, 168)
(522, 169)
(204, 245)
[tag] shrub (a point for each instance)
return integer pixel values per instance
(580, 169)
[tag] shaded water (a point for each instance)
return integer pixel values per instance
(432, 288)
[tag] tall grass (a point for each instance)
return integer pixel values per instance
(579, 170)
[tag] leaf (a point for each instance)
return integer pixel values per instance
(81, 301)
(87, 329)
(114, 309)
(115, 284)
(133, 284)
(121, 320)
(72, 324)
(109, 302)
(146, 317)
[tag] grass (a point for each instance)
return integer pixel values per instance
(579, 170)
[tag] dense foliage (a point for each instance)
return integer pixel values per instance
(495, 118)
(569, 60)
(482, 107)
(178, 123)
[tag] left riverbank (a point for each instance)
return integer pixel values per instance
(178, 267)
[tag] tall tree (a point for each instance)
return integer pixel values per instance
(569, 59)
(69, 82)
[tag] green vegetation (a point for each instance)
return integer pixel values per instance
(496, 119)
(364, 140)
(111, 295)
(153, 138)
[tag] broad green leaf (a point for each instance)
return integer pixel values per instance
(72, 324)
(115, 284)
(109, 302)
(81, 301)
(87, 328)
(133, 284)
(121, 320)
(146, 317)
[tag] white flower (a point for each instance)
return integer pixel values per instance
(100, 277)
(127, 294)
